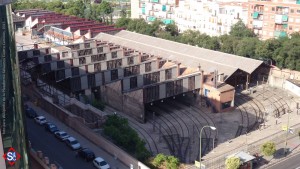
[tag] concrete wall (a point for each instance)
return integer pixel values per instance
(134, 107)
(112, 95)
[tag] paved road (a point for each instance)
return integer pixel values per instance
(58, 151)
(53, 148)
(291, 163)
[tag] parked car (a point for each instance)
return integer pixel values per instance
(61, 135)
(73, 143)
(100, 163)
(51, 128)
(40, 120)
(30, 113)
(86, 154)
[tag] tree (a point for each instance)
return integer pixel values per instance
(123, 22)
(228, 43)
(123, 13)
(246, 47)
(268, 148)
(267, 48)
(159, 159)
(233, 163)
(172, 29)
(169, 162)
(240, 30)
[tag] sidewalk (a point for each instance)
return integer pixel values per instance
(294, 148)
(83, 141)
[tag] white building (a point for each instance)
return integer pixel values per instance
(210, 17)
(151, 10)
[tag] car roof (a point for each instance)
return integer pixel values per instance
(71, 138)
(61, 132)
(87, 150)
(40, 117)
(99, 159)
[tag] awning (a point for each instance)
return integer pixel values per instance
(151, 18)
(285, 18)
(164, 8)
(255, 15)
(143, 10)
(168, 21)
(285, 25)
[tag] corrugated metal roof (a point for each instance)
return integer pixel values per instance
(192, 56)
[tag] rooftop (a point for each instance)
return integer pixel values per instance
(188, 55)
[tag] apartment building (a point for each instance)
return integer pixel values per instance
(274, 19)
(210, 17)
(151, 10)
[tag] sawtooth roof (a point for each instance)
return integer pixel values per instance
(188, 55)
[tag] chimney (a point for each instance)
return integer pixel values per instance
(178, 68)
(221, 77)
(215, 78)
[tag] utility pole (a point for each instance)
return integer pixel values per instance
(287, 131)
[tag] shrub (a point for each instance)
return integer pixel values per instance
(268, 148)
(98, 104)
(233, 163)
(118, 129)
(159, 159)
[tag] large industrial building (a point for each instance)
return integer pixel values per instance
(129, 71)
(62, 29)
(12, 122)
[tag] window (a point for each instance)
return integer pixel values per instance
(144, 58)
(91, 80)
(82, 60)
(114, 55)
(76, 84)
(133, 82)
(273, 8)
(178, 87)
(148, 67)
(64, 54)
(60, 64)
(290, 28)
(168, 74)
(48, 58)
(97, 67)
(99, 57)
(114, 64)
(84, 52)
(75, 71)
(161, 63)
(169, 89)
(36, 52)
(298, 11)
(151, 78)
(292, 10)
(191, 83)
(114, 74)
(100, 49)
(130, 60)
(60, 75)
(87, 45)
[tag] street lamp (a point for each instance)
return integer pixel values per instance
(211, 127)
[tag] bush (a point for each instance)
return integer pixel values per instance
(268, 148)
(169, 162)
(159, 159)
(118, 129)
(98, 104)
(233, 163)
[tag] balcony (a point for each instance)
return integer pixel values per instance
(280, 34)
(281, 19)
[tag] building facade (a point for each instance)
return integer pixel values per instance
(12, 122)
(151, 10)
(274, 19)
(210, 17)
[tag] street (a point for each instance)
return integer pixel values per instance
(53, 148)
(58, 151)
(291, 163)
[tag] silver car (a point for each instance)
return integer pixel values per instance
(73, 143)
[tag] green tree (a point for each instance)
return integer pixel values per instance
(118, 129)
(123, 13)
(123, 22)
(159, 160)
(228, 43)
(233, 163)
(267, 48)
(172, 162)
(268, 148)
(240, 30)
(247, 46)
(172, 29)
